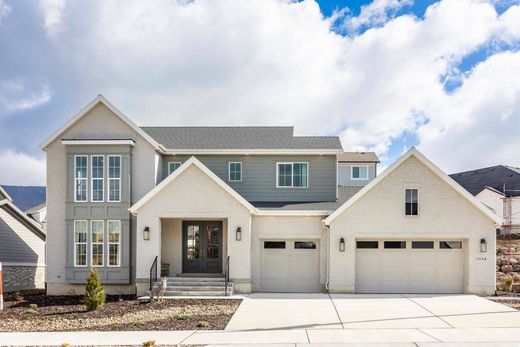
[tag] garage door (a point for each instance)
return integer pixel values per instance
(409, 266)
(290, 266)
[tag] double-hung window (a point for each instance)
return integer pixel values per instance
(114, 178)
(359, 172)
(80, 243)
(173, 165)
(114, 242)
(80, 178)
(411, 202)
(292, 175)
(97, 240)
(235, 172)
(97, 177)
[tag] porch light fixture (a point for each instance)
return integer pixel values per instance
(483, 245)
(239, 234)
(342, 245)
(146, 233)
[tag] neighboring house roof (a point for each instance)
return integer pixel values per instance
(36, 209)
(178, 172)
(358, 157)
(26, 197)
(4, 195)
(239, 137)
(495, 177)
(419, 156)
(30, 223)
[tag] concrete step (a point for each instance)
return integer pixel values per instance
(186, 283)
(199, 275)
(196, 279)
(195, 293)
(198, 289)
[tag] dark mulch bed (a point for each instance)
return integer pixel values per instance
(67, 313)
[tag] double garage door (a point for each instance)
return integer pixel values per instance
(290, 266)
(409, 266)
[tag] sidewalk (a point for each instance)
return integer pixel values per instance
(397, 337)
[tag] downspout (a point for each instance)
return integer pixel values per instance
(328, 258)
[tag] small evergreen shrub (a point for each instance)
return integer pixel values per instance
(150, 343)
(182, 316)
(202, 324)
(94, 292)
(139, 324)
(33, 307)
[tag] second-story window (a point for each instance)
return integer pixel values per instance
(97, 242)
(292, 175)
(411, 202)
(173, 165)
(97, 177)
(80, 177)
(359, 172)
(235, 172)
(114, 178)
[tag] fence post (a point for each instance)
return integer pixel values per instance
(1, 290)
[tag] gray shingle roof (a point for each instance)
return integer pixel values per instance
(358, 157)
(238, 138)
(495, 177)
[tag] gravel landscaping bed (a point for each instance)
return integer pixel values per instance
(67, 313)
(512, 301)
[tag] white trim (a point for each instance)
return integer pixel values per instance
(229, 171)
(73, 142)
(359, 178)
(292, 174)
(86, 179)
(114, 243)
(97, 243)
(81, 243)
(253, 151)
(173, 162)
(99, 99)
(419, 156)
(178, 172)
(114, 179)
(266, 212)
(92, 178)
(418, 203)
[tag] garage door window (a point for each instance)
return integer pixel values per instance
(304, 245)
(367, 244)
(450, 245)
(395, 244)
(274, 244)
(422, 244)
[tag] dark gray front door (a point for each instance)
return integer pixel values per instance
(202, 247)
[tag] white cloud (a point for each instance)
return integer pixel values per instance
(52, 11)
(21, 169)
(376, 13)
(4, 10)
(16, 95)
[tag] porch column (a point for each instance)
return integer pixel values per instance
(147, 250)
(239, 253)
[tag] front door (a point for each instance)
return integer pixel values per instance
(202, 247)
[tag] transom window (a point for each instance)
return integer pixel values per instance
(80, 243)
(97, 177)
(292, 175)
(114, 178)
(235, 172)
(412, 202)
(359, 172)
(80, 177)
(173, 165)
(114, 242)
(97, 241)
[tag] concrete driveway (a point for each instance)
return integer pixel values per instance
(352, 311)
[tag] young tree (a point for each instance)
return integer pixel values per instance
(94, 292)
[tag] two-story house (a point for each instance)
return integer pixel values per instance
(256, 204)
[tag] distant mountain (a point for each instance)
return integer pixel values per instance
(25, 197)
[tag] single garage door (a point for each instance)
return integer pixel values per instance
(409, 266)
(291, 266)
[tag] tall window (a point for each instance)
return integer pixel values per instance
(97, 177)
(80, 177)
(114, 242)
(173, 165)
(412, 202)
(80, 243)
(292, 175)
(97, 231)
(235, 172)
(114, 178)
(359, 172)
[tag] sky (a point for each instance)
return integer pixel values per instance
(383, 75)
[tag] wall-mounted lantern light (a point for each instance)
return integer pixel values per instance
(342, 245)
(239, 234)
(483, 245)
(146, 233)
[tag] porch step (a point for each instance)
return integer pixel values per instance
(200, 275)
(196, 279)
(196, 286)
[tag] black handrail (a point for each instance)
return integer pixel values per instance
(153, 273)
(226, 275)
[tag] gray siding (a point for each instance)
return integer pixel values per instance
(259, 176)
(345, 176)
(99, 211)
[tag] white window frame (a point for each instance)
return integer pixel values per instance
(173, 163)
(359, 178)
(113, 243)
(76, 179)
(229, 171)
(81, 243)
(418, 203)
(92, 178)
(113, 179)
(97, 243)
(292, 173)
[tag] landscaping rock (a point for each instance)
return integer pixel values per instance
(516, 268)
(503, 261)
(515, 288)
(500, 275)
(514, 261)
(506, 268)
